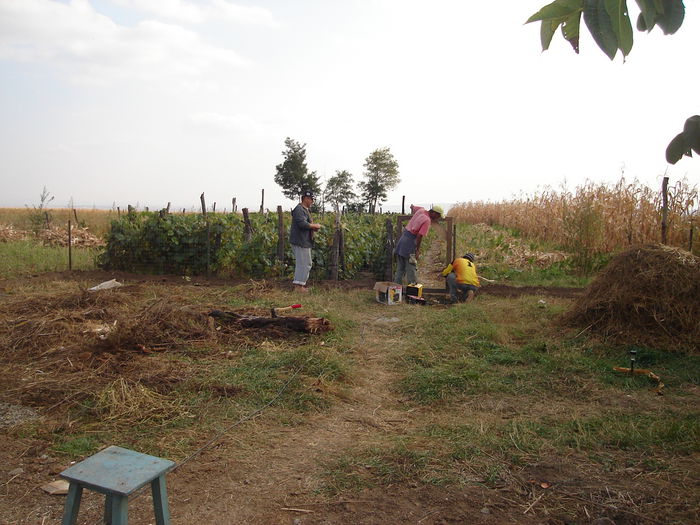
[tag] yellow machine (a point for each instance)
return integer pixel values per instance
(416, 290)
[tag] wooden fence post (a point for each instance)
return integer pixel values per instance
(262, 202)
(167, 208)
(233, 205)
(389, 269)
(204, 206)
(454, 242)
(664, 210)
(70, 249)
(449, 249)
(690, 237)
(248, 229)
(335, 249)
(403, 203)
(204, 214)
(280, 234)
(341, 250)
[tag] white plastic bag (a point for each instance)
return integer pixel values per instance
(106, 285)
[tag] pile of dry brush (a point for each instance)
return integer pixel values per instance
(63, 346)
(53, 236)
(647, 295)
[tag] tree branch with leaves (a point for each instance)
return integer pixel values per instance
(609, 23)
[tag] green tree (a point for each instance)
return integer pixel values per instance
(293, 176)
(609, 23)
(381, 174)
(338, 189)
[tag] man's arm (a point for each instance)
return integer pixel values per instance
(299, 219)
(419, 238)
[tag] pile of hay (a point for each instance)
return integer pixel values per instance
(57, 236)
(53, 236)
(9, 233)
(648, 295)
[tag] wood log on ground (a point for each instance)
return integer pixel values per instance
(312, 325)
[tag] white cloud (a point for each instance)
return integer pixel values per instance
(188, 12)
(97, 51)
(241, 14)
(216, 122)
(177, 10)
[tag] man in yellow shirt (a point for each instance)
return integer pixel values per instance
(461, 277)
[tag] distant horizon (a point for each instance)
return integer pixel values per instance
(289, 204)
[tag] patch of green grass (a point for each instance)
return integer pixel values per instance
(77, 445)
(379, 466)
(558, 274)
(445, 380)
(490, 448)
(640, 432)
(506, 346)
(261, 375)
(21, 258)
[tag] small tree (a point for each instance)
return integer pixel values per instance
(381, 174)
(40, 216)
(292, 175)
(338, 189)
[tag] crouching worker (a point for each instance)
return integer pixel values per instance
(461, 278)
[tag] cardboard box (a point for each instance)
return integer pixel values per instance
(388, 293)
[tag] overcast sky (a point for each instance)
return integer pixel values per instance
(116, 102)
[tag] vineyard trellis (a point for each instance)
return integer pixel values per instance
(247, 245)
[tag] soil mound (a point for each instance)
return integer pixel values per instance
(648, 295)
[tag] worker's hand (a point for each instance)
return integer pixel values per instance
(315, 226)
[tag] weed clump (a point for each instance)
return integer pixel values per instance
(647, 295)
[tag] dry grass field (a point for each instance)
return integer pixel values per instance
(594, 218)
(96, 221)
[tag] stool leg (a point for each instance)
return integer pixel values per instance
(107, 519)
(160, 501)
(72, 506)
(119, 507)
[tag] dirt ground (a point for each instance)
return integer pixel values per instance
(274, 474)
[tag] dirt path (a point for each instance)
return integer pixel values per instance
(284, 470)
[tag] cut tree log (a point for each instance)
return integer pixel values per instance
(312, 325)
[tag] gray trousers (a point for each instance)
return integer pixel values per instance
(403, 266)
(302, 267)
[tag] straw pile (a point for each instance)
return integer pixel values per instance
(53, 236)
(647, 295)
(56, 236)
(9, 233)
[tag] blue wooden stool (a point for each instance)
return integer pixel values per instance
(117, 472)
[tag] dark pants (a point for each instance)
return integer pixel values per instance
(458, 288)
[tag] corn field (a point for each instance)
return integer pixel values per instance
(595, 218)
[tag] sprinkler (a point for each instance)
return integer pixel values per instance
(633, 359)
